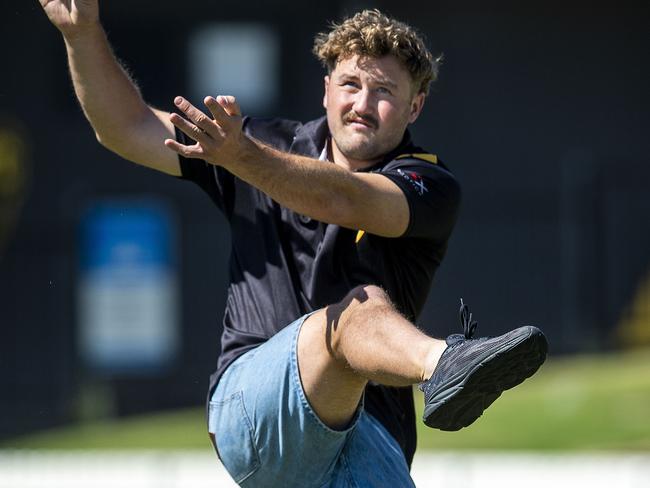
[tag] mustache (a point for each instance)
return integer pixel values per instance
(351, 116)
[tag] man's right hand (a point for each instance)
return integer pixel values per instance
(72, 17)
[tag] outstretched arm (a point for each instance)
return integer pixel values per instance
(325, 192)
(111, 101)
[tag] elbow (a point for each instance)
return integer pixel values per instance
(103, 140)
(110, 143)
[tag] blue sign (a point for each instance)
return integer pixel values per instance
(128, 289)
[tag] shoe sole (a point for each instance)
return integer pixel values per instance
(463, 399)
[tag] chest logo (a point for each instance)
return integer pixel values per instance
(415, 180)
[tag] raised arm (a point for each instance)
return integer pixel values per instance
(325, 192)
(111, 101)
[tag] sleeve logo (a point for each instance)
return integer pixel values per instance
(415, 180)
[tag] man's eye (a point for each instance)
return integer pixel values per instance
(353, 84)
(383, 89)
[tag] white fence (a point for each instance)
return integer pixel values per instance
(189, 469)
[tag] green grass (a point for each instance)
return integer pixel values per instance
(180, 429)
(587, 403)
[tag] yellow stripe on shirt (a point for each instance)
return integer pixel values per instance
(431, 158)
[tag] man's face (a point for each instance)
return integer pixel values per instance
(369, 104)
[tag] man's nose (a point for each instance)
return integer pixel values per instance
(363, 102)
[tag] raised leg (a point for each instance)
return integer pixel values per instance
(361, 338)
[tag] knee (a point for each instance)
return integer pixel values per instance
(366, 294)
(361, 306)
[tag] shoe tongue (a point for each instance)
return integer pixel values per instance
(454, 338)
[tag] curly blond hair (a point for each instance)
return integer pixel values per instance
(371, 33)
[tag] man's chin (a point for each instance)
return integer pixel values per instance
(362, 153)
(360, 146)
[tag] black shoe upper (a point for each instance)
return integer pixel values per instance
(464, 352)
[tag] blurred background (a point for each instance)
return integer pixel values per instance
(113, 277)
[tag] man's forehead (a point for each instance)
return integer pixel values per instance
(387, 69)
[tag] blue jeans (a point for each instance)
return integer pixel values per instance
(267, 434)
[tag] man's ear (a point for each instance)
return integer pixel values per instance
(416, 107)
(327, 82)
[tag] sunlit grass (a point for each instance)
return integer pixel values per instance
(589, 402)
(180, 429)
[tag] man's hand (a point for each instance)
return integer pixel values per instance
(71, 17)
(219, 139)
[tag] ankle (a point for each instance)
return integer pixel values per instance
(436, 348)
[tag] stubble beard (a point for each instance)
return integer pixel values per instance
(369, 147)
(361, 151)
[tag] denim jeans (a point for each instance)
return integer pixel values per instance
(267, 434)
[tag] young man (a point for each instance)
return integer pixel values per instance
(338, 226)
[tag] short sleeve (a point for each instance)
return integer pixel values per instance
(219, 183)
(216, 181)
(432, 193)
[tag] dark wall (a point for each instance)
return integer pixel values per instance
(541, 110)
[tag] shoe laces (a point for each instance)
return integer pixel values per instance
(454, 341)
(469, 325)
(469, 328)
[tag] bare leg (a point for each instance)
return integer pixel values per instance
(362, 338)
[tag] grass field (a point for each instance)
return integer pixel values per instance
(587, 403)
(582, 403)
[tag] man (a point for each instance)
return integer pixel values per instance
(338, 226)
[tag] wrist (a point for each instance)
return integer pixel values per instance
(79, 35)
(246, 150)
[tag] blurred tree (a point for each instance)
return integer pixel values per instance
(14, 178)
(633, 330)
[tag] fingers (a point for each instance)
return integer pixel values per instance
(201, 120)
(195, 151)
(223, 108)
(230, 105)
(190, 130)
(214, 137)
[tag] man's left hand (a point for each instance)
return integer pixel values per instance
(219, 139)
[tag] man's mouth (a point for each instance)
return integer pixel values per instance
(363, 121)
(360, 122)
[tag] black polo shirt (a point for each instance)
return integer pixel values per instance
(284, 265)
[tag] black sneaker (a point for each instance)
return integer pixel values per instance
(472, 373)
